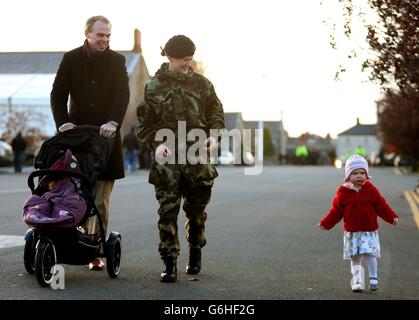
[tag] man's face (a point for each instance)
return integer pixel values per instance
(98, 39)
(358, 177)
(181, 65)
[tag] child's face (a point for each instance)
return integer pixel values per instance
(358, 177)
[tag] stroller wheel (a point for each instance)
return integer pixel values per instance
(29, 251)
(113, 254)
(45, 260)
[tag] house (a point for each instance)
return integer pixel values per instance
(278, 135)
(360, 137)
(321, 151)
(26, 80)
(234, 120)
(234, 124)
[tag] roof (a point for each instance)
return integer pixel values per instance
(26, 78)
(233, 120)
(274, 126)
(360, 130)
(46, 62)
(26, 89)
(293, 142)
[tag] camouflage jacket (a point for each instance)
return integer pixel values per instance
(171, 97)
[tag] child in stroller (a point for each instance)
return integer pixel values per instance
(69, 164)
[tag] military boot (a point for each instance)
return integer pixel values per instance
(194, 263)
(169, 273)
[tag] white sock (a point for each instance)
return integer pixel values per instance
(356, 268)
(371, 262)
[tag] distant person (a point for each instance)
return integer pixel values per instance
(131, 147)
(95, 78)
(301, 153)
(176, 93)
(359, 203)
(144, 156)
(18, 146)
(360, 151)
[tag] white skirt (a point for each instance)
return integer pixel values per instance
(362, 242)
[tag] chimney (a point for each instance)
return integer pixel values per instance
(137, 41)
(357, 122)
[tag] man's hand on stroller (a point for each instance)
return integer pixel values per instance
(66, 126)
(108, 129)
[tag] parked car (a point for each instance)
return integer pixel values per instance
(6, 154)
(248, 159)
(400, 161)
(226, 157)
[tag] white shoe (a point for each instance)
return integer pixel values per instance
(358, 279)
(357, 287)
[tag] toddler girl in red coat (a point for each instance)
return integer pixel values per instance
(359, 203)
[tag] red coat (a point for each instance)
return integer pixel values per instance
(359, 210)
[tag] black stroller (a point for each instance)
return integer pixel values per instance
(53, 240)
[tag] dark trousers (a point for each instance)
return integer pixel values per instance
(195, 201)
(18, 161)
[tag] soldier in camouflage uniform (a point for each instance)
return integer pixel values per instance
(178, 94)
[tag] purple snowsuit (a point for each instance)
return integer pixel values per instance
(60, 207)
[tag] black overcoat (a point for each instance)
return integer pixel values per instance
(99, 92)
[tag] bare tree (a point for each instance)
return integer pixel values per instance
(29, 122)
(398, 123)
(392, 36)
(393, 63)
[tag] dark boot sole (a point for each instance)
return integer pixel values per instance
(167, 280)
(192, 271)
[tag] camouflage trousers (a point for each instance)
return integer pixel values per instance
(195, 200)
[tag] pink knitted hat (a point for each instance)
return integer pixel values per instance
(353, 163)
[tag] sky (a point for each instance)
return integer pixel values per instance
(268, 59)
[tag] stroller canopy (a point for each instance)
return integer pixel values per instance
(91, 150)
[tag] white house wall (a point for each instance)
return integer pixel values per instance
(348, 143)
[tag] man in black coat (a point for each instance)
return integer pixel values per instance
(95, 78)
(18, 146)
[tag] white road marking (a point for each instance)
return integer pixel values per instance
(122, 183)
(14, 191)
(11, 241)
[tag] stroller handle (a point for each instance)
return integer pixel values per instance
(58, 174)
(89, 126)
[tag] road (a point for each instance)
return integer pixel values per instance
(263, 242)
